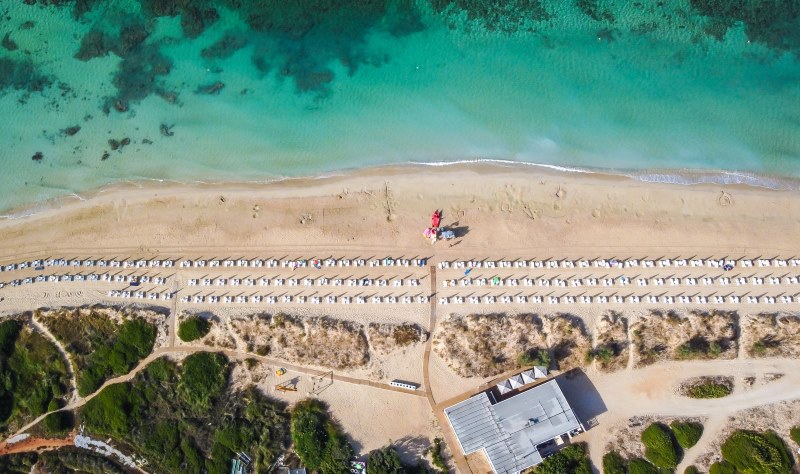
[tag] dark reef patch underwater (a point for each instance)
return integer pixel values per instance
(301, 39)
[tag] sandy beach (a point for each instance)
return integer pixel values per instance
(498, 212)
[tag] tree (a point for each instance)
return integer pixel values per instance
(384, 461)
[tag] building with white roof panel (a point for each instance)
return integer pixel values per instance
(510, 431)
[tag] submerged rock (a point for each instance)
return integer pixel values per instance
(38, 156)
(210, 89)
(114, 144)
(8, 43)
(95, 44)
(147, 141)
(224, 47)
(105, 156)
(27, 25)
(70, 131)
(166, 130)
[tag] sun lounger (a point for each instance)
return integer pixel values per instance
(361, 300)
(537, 299)
(585, 299)
(602, 299)
(617, 299)
(406, 300)
(642, 281)
(631, 263)
(741, 281)
(552, 299)
(505, 299)
(576, 282)
(292, 281)
(522, 299)
(763, 262)
(652, 299)
(752, 299)
(786, 299)
(345, 300)
(757, 281)
(774, 281)
(378, 299)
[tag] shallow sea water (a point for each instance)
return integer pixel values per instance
(622, 86)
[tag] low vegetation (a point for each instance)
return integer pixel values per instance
(385, 338)
(387, 461)
(33, 375)
(691, 470)
(325, 342)
(687, 433)
(661, 448)
(708, 387)
(481, 345)
(773, 335)
(184, 418)
(192, 328)
(567, 340)
(103, 342)
(750, 451)
(63, 460)
(573, 459)
(611, 351)
(695, 335)
(318, 440)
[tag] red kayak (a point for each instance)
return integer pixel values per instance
(436, 218)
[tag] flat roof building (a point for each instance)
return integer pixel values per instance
(510, 431)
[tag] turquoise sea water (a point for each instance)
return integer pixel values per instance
(258, 89)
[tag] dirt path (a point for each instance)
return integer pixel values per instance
(651, 391)
(73, 383)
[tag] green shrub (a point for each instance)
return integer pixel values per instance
(794, 434)
(193, 327)
(9, 330)
(112, 411)
(58, 422)
(641, 466)
(687, 434)
(384, 461)
(534, 357)
(32, 373)
(571, 459)
(613, 463)
(132, 342)
(317, 440)
(660, 447)
(691, 470)
(203, 379)
(709, 390)
(721, 468)
(155, 418)
(749, 451)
